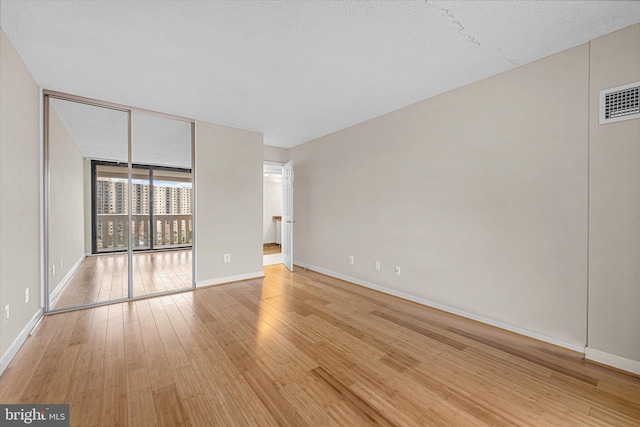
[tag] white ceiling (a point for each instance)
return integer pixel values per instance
(102, 133)
(292, 70)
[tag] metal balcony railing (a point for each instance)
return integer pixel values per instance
(169, 230)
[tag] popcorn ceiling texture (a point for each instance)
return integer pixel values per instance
(292, 70)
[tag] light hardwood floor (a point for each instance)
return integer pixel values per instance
(271, 249)
(302, 349)
(104, 277)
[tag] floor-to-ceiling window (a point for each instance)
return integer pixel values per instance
(119, 220)
(160, 204)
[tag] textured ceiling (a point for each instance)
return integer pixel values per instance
(292, 70)
(101, 133)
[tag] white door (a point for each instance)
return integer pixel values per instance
(287, 215)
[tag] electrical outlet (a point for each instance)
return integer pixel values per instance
(351, 260)
(6, 311)
(53, 270)
(227, 257)
(26, 295)
(397, 270)
(378, 265)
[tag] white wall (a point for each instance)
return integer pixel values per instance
(20, 200)
(614, 210)
(479, 194)
(272, 205)
(66, 202)
(228, 203)
(275, 154)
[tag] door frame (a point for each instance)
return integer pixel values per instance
(277, 168)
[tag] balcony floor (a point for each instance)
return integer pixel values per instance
(104, 277)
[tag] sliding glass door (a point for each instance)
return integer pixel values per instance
(141, 209)
(118, 203)
(172, 208)
(110, 207)
(160, 204)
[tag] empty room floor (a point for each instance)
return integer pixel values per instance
(304, 349)
(104, 277)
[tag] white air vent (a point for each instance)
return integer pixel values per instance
(620, 103)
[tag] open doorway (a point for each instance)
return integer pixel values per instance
(272, 213)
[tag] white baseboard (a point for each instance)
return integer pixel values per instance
(229, 279)
(517, 330)
(612, 360)
(271, 259)
(11, 352)
(66, 279)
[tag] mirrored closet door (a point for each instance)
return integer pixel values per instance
(118, 203)
(162, 205)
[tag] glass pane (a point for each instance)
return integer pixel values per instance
(140, 204)
(80, 134)
(112, 213)
(172, 208)
(163, 147)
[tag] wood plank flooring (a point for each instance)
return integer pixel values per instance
(297, 349)
(104, 277)
(271, 248)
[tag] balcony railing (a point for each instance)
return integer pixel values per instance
(170, 230)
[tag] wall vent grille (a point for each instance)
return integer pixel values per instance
(620, 103)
